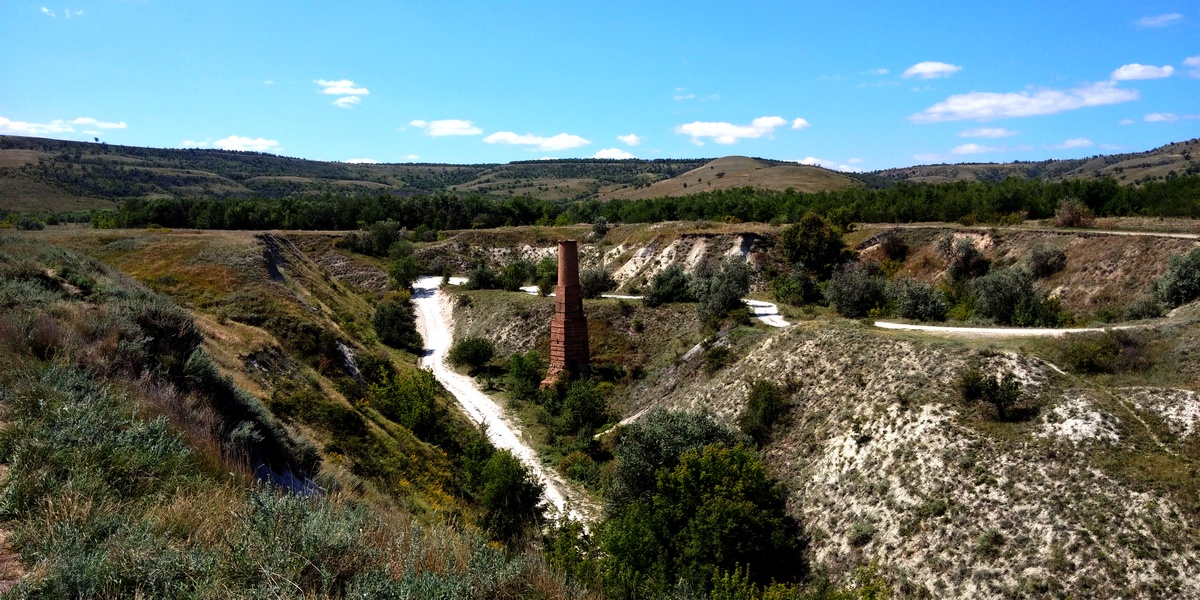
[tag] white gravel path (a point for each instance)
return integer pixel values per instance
(993, 332)
(436, 324)
(763, 311)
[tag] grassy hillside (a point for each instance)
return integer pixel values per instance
(130, 466)
(740, 171)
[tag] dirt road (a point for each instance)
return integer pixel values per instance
(436, 324)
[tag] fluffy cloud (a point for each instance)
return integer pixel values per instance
(931, 70)
(1161, 118)
(350, 93)
(728, 133)
(1194, 63)
(444, 127)
(986, 106)
(1073, 143)
(613, 153)
(562, 141)
(830, 164)
(361, 161)
(55, 126)
(987, 132)
(1134, 71)
(1159, 20)
(238, 142)
(412, 157)
(972, 149)
(630, 140)
(799, 124)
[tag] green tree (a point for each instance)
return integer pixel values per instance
(402, 272)
(584, 407)
(594, 282)
(472, 352)
(669, 285)
(812, 243)
(524, 375)
(1181, 283)
(856, 290)
(716, 509)
(511, 496)
(410, 399)
(720, 292)
(396, 325)
(766, 401)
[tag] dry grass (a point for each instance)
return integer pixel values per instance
(740, 171)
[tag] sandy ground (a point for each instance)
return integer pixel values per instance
(993, 332)
(435, 322)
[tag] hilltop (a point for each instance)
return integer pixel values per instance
(56, 176)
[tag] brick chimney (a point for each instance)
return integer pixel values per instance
(568, 329)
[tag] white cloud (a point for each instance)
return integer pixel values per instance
(1134, 71)
(986, 106)
(630, 140)
(830, 164)
(347, 101)
(972, 149)
(1159, 20)
(613, 153)
(1194, 63)
(412, 157)
(987, 132)
(341, 87)
(728, 133)
(68, 13)
(195, 144)
(1073, 143)
(1161, 118)
(444, 127)
(268, 82)
(562, 141)
(931, 70)
(55, 126)
(879, 71)
(799, 124)
(46, 11)
(361, 161)
(1127, 121)
(238, 142)
(854, 161)
(678, 97)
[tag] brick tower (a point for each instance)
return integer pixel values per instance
(568, 328)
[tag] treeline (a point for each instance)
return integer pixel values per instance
(972, 202)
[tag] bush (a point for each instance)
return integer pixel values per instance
(1044, 262)
(1008, 298)
(1072, 213)
(29, 224)
(411, 400)
(482, 277)
(1002, 393)
(580, 467)
(402, 272)
(765, 403)
(524, 375)
(966, 261)
(721, 292)
(1181, 283)
(472, 352)
(511, 496)
(855, 291)
(596, 281)
(396, 326)
(1113, 351)
(813, 245)
(669, 285)
(600, 228)
(893, 245)
(916, 300)
(797, 289)
(515, 274)
(584, 408)
(1146, 306)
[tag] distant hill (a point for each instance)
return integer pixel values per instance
(53, 175)
(1128, 169)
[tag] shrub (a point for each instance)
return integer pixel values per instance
(599, 228)
(1113, 351)
(1072, 213)
(1002, 393)
(29, 224)
(594, 282)
(515, 274)
(472, 352)
(916, 300)
(799, 288)
(580, 467)
(524, 375)
(893, 245)
(511, 496)
(970, 384)
(721, 292)
(669, 285)
(1044, 262)
(482, 277)
(1146, 306)
(765, 403)
(402, 272)
(1181, 283)
(812, 244)
(1008, 298)
(966, 261)
(411, 400)
(583, 408)
(855, 291)
(396, 325)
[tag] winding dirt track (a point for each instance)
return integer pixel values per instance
(435, 322)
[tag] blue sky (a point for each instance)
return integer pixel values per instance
(849, 85)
